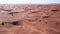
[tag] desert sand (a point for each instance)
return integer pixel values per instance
(29, 19)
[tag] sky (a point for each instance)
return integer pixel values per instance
(29, 1)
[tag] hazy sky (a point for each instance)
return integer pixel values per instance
(29, 1)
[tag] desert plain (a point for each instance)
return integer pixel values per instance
(30, 19)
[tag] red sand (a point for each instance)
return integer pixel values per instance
(30, 19)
